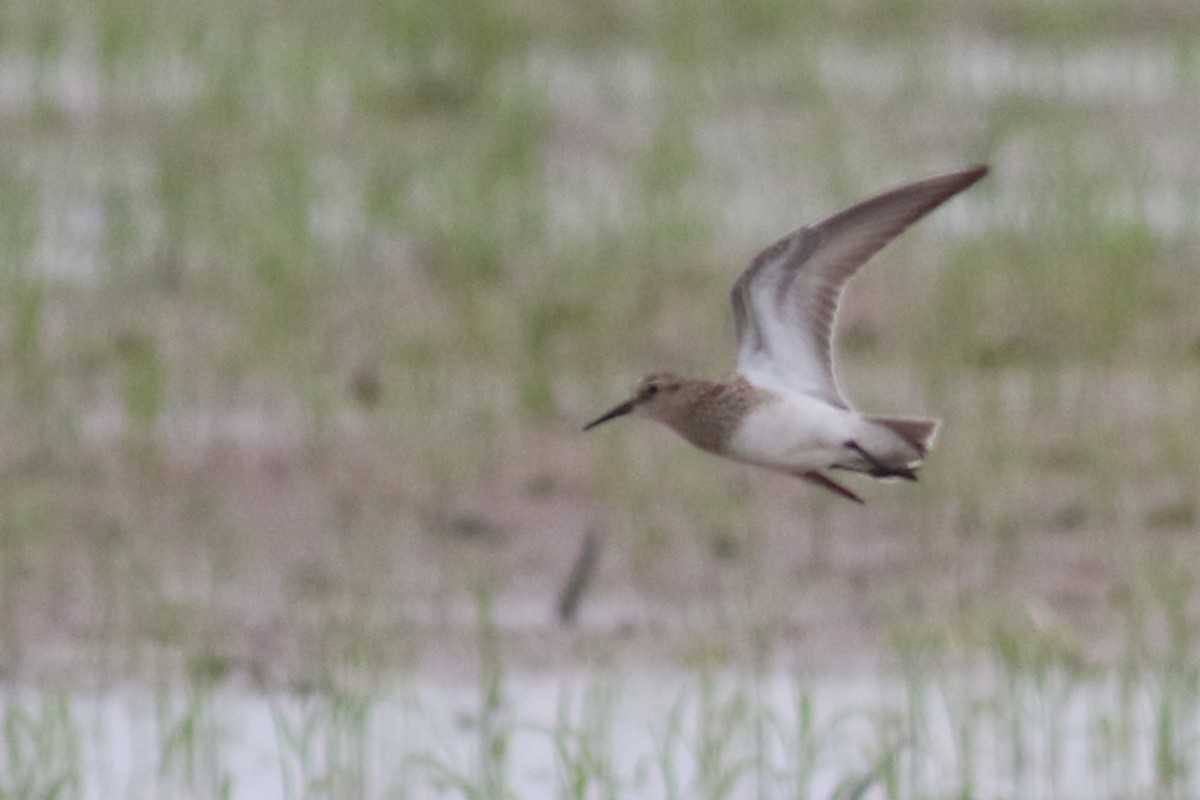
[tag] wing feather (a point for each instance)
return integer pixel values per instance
(785, 303)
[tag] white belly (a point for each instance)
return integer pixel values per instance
(794, 433)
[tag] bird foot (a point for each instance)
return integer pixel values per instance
(878, 468)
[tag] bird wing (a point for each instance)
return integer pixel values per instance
(786, 301)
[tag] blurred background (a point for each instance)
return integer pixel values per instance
(303, 305)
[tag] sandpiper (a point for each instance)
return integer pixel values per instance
(781, 408)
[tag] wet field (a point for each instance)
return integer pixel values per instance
(302, 313)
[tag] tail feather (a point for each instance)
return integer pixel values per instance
(919, 433)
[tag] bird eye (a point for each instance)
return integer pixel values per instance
(652, 390)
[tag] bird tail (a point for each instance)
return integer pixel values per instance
(919, 433)
(880, 455)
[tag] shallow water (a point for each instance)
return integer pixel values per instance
(990, 734)
(606, 103)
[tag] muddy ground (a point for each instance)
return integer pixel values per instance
(294, 560)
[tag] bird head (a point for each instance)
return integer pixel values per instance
(657, 396)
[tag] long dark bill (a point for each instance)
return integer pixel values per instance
(619, 411)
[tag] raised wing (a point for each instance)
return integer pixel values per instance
(785, 303)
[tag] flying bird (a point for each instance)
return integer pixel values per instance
(782, 409)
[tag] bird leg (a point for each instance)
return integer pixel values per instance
(830, 484)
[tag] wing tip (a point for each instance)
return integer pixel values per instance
(966, 177)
